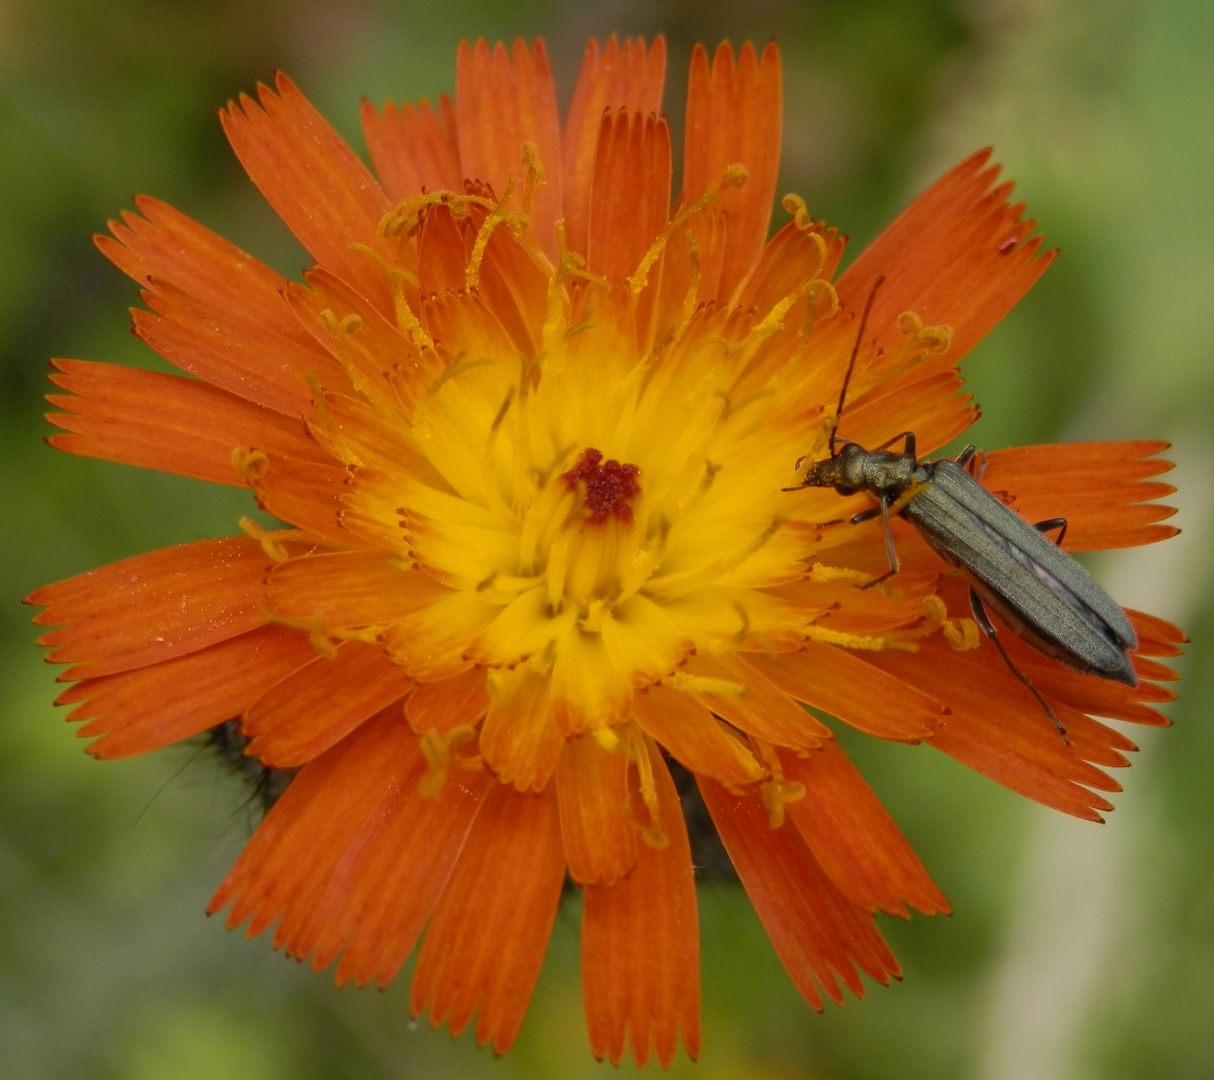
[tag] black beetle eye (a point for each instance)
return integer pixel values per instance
(845, 489)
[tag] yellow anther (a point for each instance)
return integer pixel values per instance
(251, 464)
(535, 174)
(703, 684)
(637, 747)
(823, 574)
(606, 737)
(932, 339)
(961, 634)
(776, 794)
(734, 176)
(439, 752)
(409, 324)
(321, 638)
(271, 541)
(496, 217)
(404, 218)
(865, 642)
(339, 328)
(795, 206)
(907, 497)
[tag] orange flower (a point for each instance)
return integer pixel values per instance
(527, 428)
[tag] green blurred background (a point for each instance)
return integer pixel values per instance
(1075, 951)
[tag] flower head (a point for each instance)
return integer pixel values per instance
(528, 422)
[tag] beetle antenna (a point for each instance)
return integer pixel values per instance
(851, 364)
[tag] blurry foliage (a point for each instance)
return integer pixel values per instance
(107, 968)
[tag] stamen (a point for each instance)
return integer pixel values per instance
(824, 574)
(704, 684)
(251, 464)
(497, 216)
(321, 638)
(733, 176)
(271, 542)
(439, 752)
(636, 746)
(405, 217)
(535, 174)
(960, 633)
(936, 339)
(868, 643)
(904, 500)
(795, 205)
(775, 795)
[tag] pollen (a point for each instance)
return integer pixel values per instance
(609, 486)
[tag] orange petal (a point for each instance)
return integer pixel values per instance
(503, 102)
(485, 944)
(357, 433)
(791, 256)
(620, 76)
(958, 256)
(588, 690)
(379, 362)
(630, 192)
(1100, 488)
(315, 183)
(413, 147)
(193, 337)
(322, 702)
(996, 727)
(352, 856)
(349, 589)
(1156, 637)
(1085, 693)
(733, 117)
(525, 627)
(694, 736)
(444, 243)
(166, 422)
(738, 692)
(293, 854)
(853, 837)
(592, 789)
(817, 932)
(519, 741)
(307, 495)
(223, 318)
(141, 710)
(641, 947)
(514, 286)
(449, 703)
(840, 683)
(398, 879)
(432, 643)
(153, 607)
(922, 399)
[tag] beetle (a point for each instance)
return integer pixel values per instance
(1038, 591)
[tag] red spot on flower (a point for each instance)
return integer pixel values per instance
(1008, 245)
(609, 485)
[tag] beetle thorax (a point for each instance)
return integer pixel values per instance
(856, 469)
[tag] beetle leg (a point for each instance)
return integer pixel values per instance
(865, 515)
(908, 447)
(988, 628)
(966, 456)
(1049, 525)
(883, 510)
